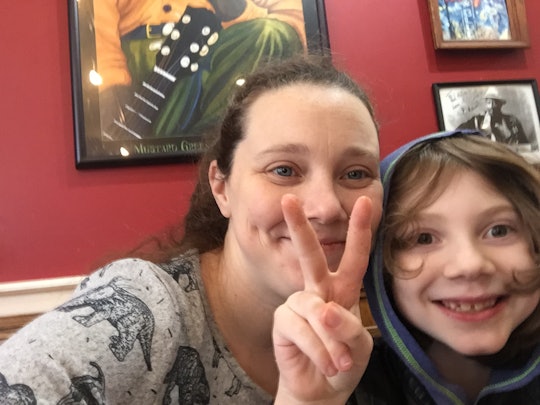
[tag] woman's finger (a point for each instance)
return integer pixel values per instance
(335, 326)
(346, 327)
(296, 343)
(310, 254)
(348, 278)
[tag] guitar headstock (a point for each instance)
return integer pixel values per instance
(187, 41)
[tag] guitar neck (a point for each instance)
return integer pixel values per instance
(186, 44)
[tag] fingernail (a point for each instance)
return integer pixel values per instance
(345, 363)
(332, 318)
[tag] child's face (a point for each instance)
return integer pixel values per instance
(469, 244)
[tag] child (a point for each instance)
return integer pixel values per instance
(454, 281)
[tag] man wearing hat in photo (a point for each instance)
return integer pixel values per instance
(501, 127)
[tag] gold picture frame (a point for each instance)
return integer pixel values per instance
(478, 24)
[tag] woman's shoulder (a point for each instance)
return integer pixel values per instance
(125, 322)
(156, 288)
(135, 273)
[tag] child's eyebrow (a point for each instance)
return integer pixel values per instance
(503, 208)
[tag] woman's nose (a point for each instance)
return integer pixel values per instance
(323, 202)
(468, 260)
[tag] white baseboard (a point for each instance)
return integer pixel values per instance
(35, 296)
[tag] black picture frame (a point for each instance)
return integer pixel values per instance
(463, 105)
(91, 148)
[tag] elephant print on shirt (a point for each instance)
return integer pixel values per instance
(189, 375)
(128, 314)
(86, 389)
(236, 385)
(19, 394)
(181, 267)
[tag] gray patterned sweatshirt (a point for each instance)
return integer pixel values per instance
(133, 333)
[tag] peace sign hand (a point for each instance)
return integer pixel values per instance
(321, 347)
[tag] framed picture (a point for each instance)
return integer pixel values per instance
(505, 111)
(458, 24)
(148, 91)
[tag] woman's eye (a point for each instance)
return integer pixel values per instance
(498, 231)
(356, 174)
(424, 239)
(285, 171)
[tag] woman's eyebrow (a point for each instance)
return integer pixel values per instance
(285, 148)
(296, 148)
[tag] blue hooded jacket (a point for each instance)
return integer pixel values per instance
(400, 372)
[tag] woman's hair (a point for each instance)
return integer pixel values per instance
(423, 174)
(204, 227)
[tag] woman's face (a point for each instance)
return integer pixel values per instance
(317, 142)
(469, 244)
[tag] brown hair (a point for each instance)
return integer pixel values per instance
(425, 171)
(204, 227)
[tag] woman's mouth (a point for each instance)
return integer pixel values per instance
(332, 246)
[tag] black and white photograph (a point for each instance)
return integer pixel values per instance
(505, 111)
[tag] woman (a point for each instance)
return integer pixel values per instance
(269, 217)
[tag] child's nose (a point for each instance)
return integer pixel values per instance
(468, 260)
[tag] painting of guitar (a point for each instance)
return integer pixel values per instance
(186, 43)
(167, 70)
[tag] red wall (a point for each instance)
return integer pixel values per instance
(57, 221)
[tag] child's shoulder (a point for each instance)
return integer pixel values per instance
(387, 379)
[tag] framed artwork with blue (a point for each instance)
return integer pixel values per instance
(151, 78)
(477, 24)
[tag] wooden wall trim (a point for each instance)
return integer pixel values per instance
(35, 296)
(20, 302)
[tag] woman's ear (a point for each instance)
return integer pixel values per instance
(219, 188)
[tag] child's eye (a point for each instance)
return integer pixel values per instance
(285, 171)
(424, 239)
(498, 231)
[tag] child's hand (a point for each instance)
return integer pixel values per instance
(321, 347)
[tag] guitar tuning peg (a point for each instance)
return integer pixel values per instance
(204, 50)
(213, 39)
(185, 61)
(186, 19)
(167, 29)
(155, 45)
(165, 50)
